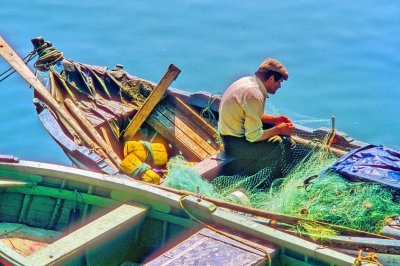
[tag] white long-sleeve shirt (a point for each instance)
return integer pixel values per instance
(241, 108)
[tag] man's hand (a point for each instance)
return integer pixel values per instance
(285, 129)
(282, 119)
(275, 120)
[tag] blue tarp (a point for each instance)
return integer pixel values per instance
(370, 163)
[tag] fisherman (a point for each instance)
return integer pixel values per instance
(245, 130)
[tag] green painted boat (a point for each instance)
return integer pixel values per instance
(57, 215)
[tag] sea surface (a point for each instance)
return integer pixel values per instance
(342, 56)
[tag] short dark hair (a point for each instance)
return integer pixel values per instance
(269, 73)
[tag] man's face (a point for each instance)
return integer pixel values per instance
(271, 85)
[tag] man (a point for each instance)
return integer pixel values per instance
(242, 109)
(244, 128)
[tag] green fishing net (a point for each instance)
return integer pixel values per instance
(306, 190)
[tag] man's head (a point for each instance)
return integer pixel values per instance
(272, 73)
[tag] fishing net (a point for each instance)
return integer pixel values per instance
(134, 92)
(306, 189)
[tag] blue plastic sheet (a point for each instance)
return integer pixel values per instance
(370, 163)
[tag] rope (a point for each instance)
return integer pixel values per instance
(371, 257)
(207, 113)
(221, 232)
(141, 169)
(150, 152)
(47, 57)
(26, 59)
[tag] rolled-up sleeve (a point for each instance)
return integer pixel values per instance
(253, 108)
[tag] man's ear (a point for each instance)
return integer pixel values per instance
(270, 80)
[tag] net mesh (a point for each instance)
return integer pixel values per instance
(301, 187)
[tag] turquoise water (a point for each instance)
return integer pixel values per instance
(343, 58)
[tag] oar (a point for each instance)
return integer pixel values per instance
(284, 218)
(151, 102)
(16, 62)
(311, 145)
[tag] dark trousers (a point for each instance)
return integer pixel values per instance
(273, 158)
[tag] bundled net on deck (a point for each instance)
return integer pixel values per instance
(305, 189)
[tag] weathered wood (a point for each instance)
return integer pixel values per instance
(25, 208)
(13, 59)
(213, 248)
(137, 191)
(57, 207)
(210, 167)
(283, 218)
(121, 218)
(311, 145)
(151, 102)
(11, 256)
(211, 132)
(123, 196)
(208, 211)
(190, 126)
(14, 183)
(64, 194)
(23, 177)
(183, 127)
(177, 137)
(391, 246)
(93, 133)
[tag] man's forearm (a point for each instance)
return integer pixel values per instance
(268, 119)
(267, 133)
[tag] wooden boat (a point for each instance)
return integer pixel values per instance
(52, 215)
(89, 112)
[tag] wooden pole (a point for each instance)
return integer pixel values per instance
(310, 144)
(151, 102)
(92, 131)
(284, 218)
(16, 62)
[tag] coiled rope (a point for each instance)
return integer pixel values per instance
(370, 258)
(150, 152)
(47, 57)
(140, 169)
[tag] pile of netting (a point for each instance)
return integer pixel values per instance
(309, 190)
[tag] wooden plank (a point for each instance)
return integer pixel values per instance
(23, 177)
(190, 127)
(11, 256)
(14, 183)
(138, 191)
(13, 59)
(378, 245)
(210, 167)
(25, 208)
(208, 211)
(56, 209)
(173, 219)
(151, 102)
(311, 145)
(64, 194)
(206, 247)
(186, 127)
(123, 217)
(173, 134)
(93, 133)
(210, 132)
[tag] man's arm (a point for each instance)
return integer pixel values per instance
(275, 119)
